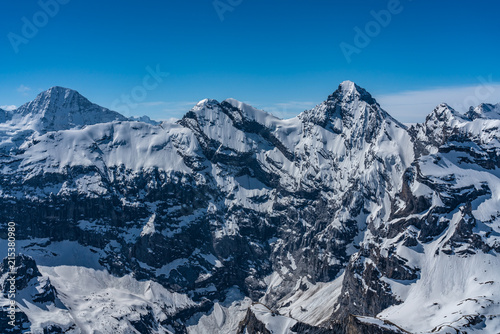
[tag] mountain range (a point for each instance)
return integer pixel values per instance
(231, 220)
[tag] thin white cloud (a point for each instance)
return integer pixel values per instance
(296, 104)
(8, 108)
(179, 106)
(414, 106)
(23, 89)
(158, 110)
(163, 110)
(168, 120)
(288, 109)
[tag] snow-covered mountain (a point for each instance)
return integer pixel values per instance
(60, 109)
(231, 220)
(484, 110)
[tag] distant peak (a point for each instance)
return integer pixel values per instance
(444, 106)
(485, 111)
(58, 90)
(58, 95)
(444, 114)
(444, 110)
(60, 108)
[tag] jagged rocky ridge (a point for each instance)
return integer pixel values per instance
(340, 220)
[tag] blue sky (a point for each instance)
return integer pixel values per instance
(281, 55)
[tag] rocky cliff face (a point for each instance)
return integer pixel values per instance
(338, 220)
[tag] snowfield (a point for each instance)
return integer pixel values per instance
(232, 220)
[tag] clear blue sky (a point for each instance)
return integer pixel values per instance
(282, 55)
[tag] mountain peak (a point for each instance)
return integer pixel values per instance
(484, 110)
(54, 98)
(58, 93)
(349, 103)
(207, 102)
(348, 91)
(348, 86)
(443, 113)
(438, 125)
(60, 108)
(237, 111)
(58, 89)
(205, 106)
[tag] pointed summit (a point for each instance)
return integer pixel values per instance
(54, 97)
(58, 90)
(439, 125)
(347, 85)
(346, 102)
(444, 116)
(349, 90)
(350, 109)
(60, 108)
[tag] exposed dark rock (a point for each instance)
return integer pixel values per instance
(354, 325)
(24, 270)
(251, 325)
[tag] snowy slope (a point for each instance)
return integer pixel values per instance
(459, 268)
(231, 219)
(439, 258)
